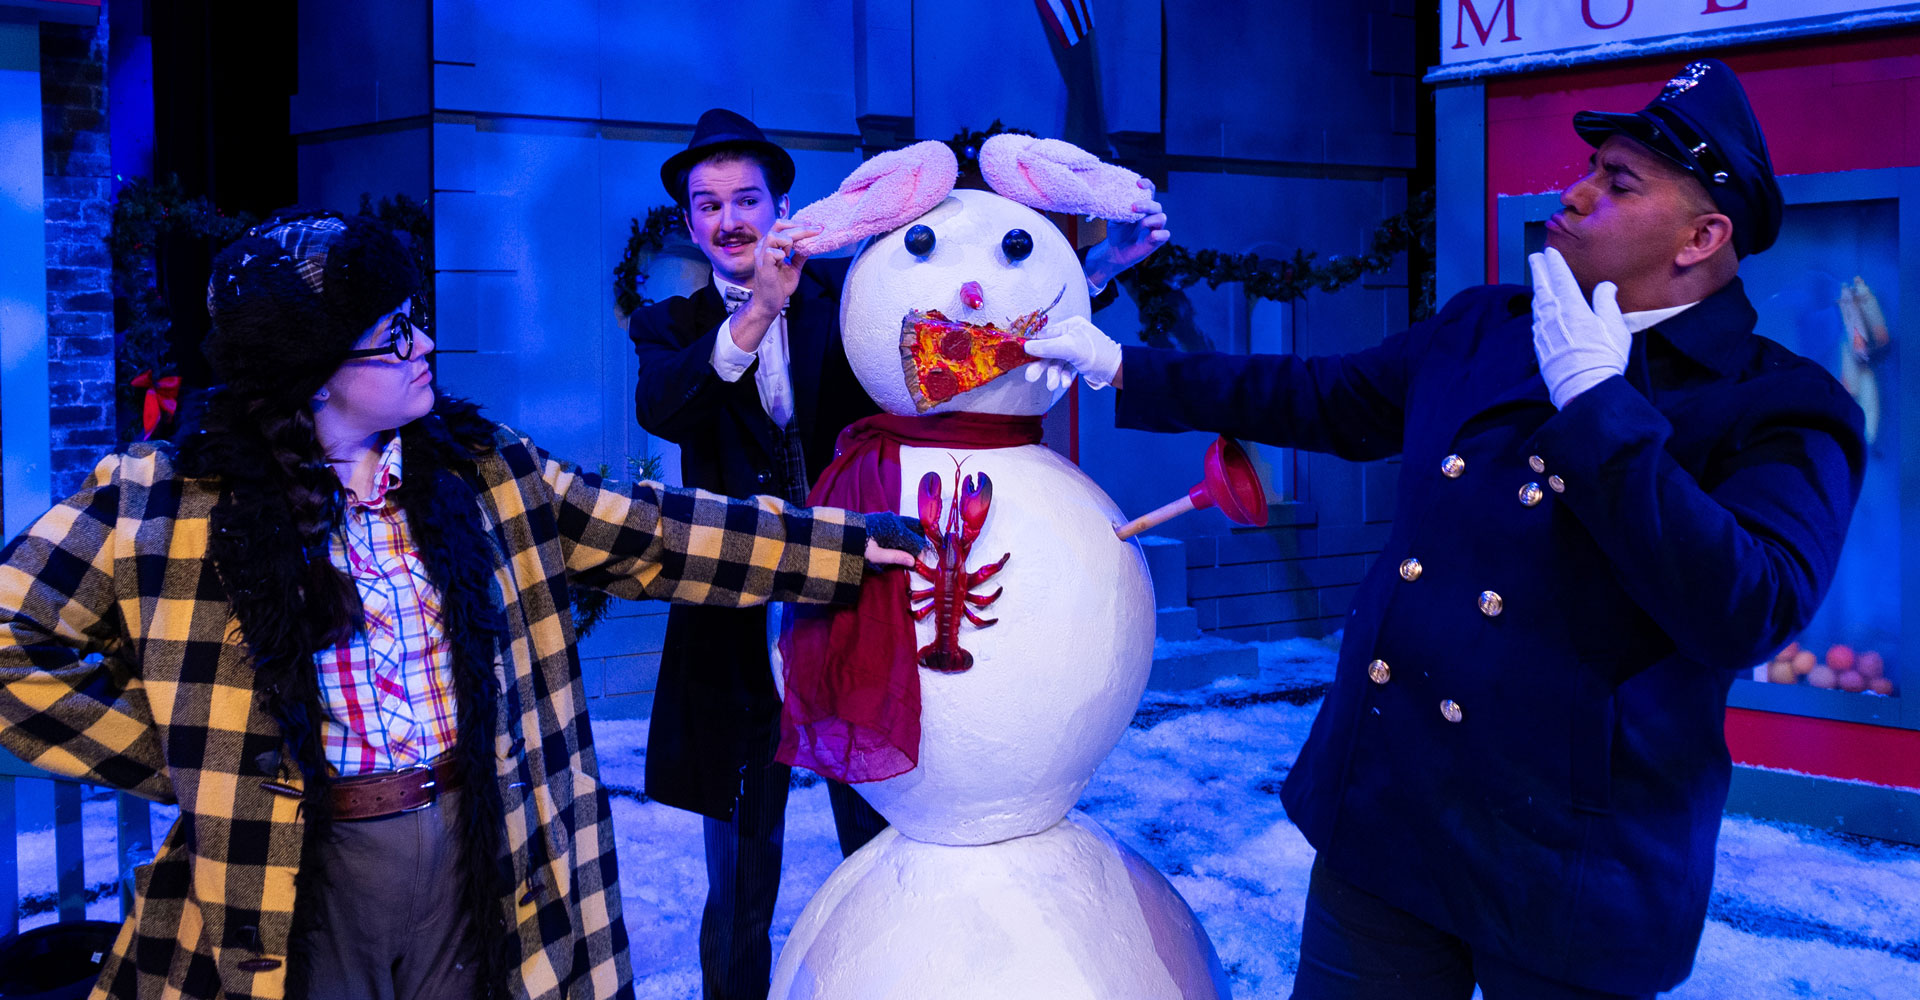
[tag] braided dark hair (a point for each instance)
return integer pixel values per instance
(316, 500)
(275, 448)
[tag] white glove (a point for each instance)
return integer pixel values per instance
(1059, 374)
(1579, 346)
(1078, 346)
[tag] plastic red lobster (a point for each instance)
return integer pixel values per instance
(951, 597)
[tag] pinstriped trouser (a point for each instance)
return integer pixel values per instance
(743, 878)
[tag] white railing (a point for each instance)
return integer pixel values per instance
(133, 843)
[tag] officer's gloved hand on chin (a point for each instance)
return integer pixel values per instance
(1579, 345)
(893, 540)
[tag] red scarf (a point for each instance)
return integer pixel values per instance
(852, 709)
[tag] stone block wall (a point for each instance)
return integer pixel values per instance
(1296, 576)
(79, 177)
(620, 659)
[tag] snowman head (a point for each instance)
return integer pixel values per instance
(980, 258)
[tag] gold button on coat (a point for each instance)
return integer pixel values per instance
(1379, 671)
(1410, 570)
(1530, 494)
(1536, 463)
(1557, 484)
(1491, 604)
(1450, 711)
(1452, 466)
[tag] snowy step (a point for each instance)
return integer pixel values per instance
(1176, 624)
(1192, 663)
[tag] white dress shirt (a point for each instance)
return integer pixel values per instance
(1638, 321)
(772, 377)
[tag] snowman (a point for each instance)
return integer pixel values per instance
(974, 700)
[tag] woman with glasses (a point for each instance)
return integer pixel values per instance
(332, 623)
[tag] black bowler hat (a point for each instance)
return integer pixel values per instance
(1702, 122)
(720, 130)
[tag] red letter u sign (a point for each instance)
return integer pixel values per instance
(1586, 11)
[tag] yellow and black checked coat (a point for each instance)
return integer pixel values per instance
(122, 663)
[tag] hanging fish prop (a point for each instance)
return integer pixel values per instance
(1876, 338)
(1867, 336)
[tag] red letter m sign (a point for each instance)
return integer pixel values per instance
(1483, 29)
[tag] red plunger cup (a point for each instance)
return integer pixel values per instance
(1229, 484)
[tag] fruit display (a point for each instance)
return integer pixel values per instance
(1842, 669)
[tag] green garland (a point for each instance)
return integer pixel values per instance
(1156, 284)
(146, 213)
(664, 222)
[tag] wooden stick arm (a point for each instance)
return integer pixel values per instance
(1154, 518)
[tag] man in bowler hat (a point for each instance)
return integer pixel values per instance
(749, 377)
(1613, 497)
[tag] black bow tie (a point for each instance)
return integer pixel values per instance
(733, 298)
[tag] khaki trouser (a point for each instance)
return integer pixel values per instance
(391, 923)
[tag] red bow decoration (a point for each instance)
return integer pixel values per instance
(163, 398)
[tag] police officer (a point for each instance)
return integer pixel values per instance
(1614, 496)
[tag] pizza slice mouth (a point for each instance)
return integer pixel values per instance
(943, 358)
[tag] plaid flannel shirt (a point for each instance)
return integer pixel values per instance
(388, 690)
(168, 710)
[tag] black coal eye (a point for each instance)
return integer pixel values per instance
(1017, 245)
(920, 241)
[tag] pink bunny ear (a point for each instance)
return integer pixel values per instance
(1056, 176)
(886, 193)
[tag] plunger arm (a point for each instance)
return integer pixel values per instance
(1230, 484)
(1156, 517)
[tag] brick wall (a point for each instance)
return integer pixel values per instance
(80, 342)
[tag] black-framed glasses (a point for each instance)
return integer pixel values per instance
(402, 328)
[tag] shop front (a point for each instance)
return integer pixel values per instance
(1827, 733)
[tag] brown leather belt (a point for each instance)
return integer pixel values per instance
(371, 796)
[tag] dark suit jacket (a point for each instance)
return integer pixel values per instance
(1567, 819)
(715, 711)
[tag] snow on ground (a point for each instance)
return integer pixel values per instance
(34, 850)
(1194, 787)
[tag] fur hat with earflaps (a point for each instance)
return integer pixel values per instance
(290, 298)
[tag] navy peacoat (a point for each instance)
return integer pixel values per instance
(1524, 742)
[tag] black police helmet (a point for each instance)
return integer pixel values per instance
(1701, 121)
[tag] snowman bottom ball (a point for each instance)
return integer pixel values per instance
(1065, 914)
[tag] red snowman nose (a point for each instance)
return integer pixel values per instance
(971, 293)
